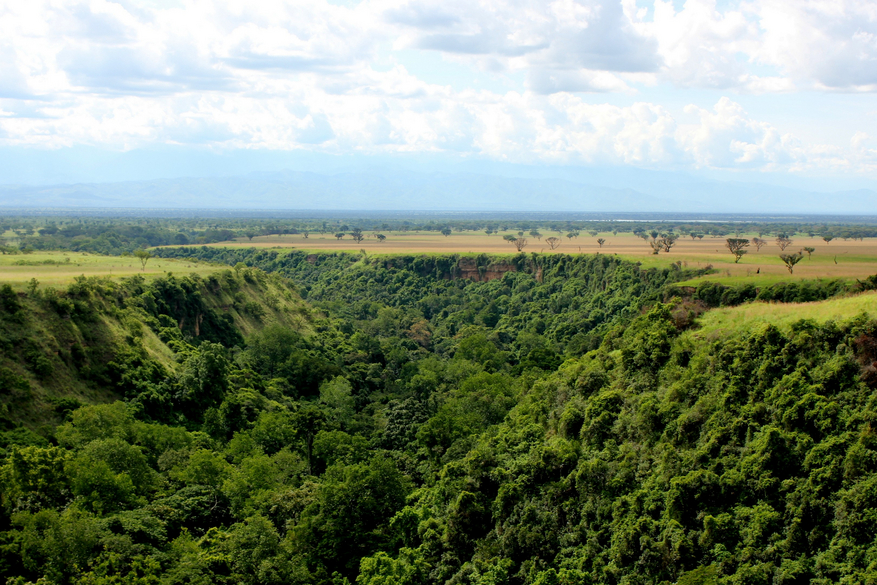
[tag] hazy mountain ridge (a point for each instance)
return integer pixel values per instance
(383, 189)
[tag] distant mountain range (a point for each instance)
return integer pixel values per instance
(407, 190)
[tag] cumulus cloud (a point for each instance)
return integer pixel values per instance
(562, 44)
(285, 74)
(831, 44)
(814, 44)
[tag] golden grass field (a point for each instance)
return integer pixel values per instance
(61, 272)
(839, 259)
(754, 314)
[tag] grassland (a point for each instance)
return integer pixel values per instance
(752, 315)
(839, 259)
(60, 268)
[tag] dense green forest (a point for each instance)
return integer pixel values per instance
(337, 418)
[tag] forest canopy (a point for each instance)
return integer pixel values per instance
(341, 419)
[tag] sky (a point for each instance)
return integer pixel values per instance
(774, 88)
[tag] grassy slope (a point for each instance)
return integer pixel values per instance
(751, 315)
(60, 268)
(75, 348)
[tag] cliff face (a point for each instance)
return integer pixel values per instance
(470, 269)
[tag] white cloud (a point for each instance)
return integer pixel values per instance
(285, 74)
(561, 45)
(830, 44)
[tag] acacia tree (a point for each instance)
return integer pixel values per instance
(809, 251)
(827, 238)
(520, 243)
(381, 237)
(667, 241)
(783, 241)
(144, 257)
(553, 242)
(306, 233)
(735, 246)
(790, 260)
(446, 231)
(758, 243)
(340, 235)
(357, 235)
(600, 242)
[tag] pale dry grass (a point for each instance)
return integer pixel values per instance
(840, 259)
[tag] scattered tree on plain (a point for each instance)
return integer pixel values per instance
(790, 260)
(667, 241)
(143, 256)
(446, 231)
(735, 246)
(519, 243)
(340, 235)
(357, 235)
(601, 241)
(758, 243)
(553, 242)
(381, 237)
(827, 238)
(809, 251)
(783, 241)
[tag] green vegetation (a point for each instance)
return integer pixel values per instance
(59, 269)
(783, 315)
(524, 419)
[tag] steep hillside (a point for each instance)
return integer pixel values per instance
(747, 458)
(82, 344)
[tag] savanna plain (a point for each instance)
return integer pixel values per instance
(463, 401)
